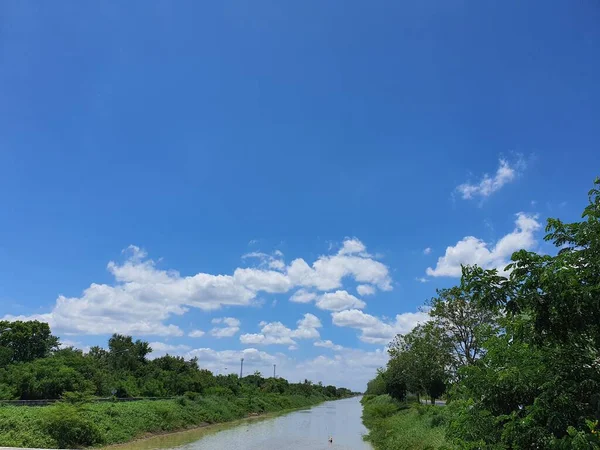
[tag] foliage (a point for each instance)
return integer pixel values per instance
(525, 348)
(396, 425)
(71, 429)
(25, 341)
(377, 385)
(32, 367)
(66, 426)
(422, 358)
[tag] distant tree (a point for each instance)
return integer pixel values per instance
(466, 322)
(395, 380)
(25, 341)
(125, 354)
(377, 385)
(423, 357)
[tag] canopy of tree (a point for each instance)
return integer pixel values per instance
(33, 367)
(518, 356)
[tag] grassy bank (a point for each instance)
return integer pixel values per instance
(94, 424)
(407, 425)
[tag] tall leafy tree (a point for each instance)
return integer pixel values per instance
(25, 341)
(424, 357)
(466, 322)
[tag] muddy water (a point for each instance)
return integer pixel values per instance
(304, 429)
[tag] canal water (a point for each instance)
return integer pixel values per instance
(303, 429)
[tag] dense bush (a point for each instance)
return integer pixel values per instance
(67, 426)
(70, 428)
(402, 425)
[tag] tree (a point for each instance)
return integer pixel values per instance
(25, 341)
(377, 385)
(466, 322)
(395, 380)
(537, 384)
(125, 354)
(423, 357)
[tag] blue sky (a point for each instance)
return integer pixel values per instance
(146, 147)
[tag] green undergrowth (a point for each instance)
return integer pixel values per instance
(403, 425)
(93, 424)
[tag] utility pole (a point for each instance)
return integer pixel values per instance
(274, 365)
(241, 367)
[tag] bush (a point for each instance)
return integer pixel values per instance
(70, 429)
(219, 391)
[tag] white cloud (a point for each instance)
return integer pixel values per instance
(265, 260)
(303, 296)
(471, 250)
(427, 251)
(328, 344)
(293, 347)
(374, 330)
(160, 349)
(277, 333)
(143, 298)
(327, 272)
(262, 280)
(228, 361)
(422, 280)
(365, 289)
(196, 333)
(488, 185)
(348, 367)
(353, 247)
(230, 328)
(339, 300)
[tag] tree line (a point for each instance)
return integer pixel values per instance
(517, 353)
(32, 366)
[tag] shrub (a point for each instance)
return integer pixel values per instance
(192, 395)
(219, 391)
(70, 429)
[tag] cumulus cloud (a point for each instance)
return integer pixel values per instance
(160, 349)
(274, 261)
(365, 289)
(277, 333)
(327, 272)
(143, 297)
(374, 330)
(488, 185)
(348, 367)
(339, 300)
(303, 296)
(262, 280)
(471, 250)
(196, 333)
(427, 251)
(230, 327)
(328, 344)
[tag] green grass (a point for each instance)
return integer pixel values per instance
(95, 424)
(394, 425)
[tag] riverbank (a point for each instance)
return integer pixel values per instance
(393, 424)
(98, 424)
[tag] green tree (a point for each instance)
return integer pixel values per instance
(126, 354)
(25, 341)
(423, 357)
(538, 383)
(466, 322)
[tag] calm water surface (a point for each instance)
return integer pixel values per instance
(304, 429)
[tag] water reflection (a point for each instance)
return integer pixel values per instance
(305, 429)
